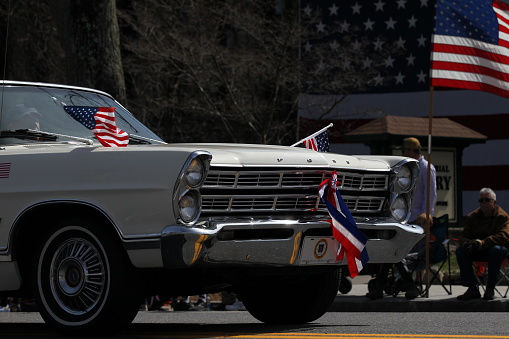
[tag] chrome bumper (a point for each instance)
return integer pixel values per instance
(214, 243)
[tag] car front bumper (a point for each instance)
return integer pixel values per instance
(238, 242)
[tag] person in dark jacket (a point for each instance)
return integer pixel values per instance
(485, 237)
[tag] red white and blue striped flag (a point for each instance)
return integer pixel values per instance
(470, 47)
(101, 121)
(344, 229)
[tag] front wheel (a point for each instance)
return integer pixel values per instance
(84, 282)
(304, 301)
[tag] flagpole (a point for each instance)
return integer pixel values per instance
(314, 134)
(428, 189)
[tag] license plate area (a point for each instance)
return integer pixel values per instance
(319, 251)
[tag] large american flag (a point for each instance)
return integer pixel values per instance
(101, 121)
(470, 45)
(338, 26)
(344, 229)
(366, 46)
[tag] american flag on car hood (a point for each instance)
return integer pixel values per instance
(101, 121)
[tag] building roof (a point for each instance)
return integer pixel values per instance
(390, 127)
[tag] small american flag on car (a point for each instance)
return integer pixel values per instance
(319, 143)
(101, 121)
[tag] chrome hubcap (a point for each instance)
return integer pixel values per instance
(77, 276)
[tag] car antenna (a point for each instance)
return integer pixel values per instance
(5, 59)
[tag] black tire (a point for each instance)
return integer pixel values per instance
(372, 284)
(345, 285)
(84, 284)
(304, 301)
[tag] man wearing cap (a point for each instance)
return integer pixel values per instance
(412, 149)
(485, 237)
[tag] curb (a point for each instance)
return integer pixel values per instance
(400, 304)
(439, 300)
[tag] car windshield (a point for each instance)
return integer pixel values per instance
(41, 108)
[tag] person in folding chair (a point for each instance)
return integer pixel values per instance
(485, 237)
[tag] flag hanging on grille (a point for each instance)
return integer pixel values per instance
(319, 142)
(470, 47)
(344, 229)
(101, 121)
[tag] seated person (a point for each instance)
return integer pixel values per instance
(485, 237)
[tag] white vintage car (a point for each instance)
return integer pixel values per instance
(89, 230)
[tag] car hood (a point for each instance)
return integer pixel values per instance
(255, 155)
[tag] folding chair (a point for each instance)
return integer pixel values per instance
(439, 255)
(481, 275)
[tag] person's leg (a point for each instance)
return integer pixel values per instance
(184, 304)
(496, 255)
(467, 277)
(201, 304)
(412, 291)
(381, 280)
(202, 299)
(228, 297)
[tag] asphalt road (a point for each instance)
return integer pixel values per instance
(216, 324)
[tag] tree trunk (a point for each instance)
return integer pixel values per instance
(91, 33)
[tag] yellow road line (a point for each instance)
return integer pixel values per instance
(188, 335)
(315, 335)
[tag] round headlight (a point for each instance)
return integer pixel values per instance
(403, 179)
(194, 173)
(189, 206)
(399, 208)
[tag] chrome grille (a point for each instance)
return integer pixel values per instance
(293, 179)
(232, 191)
(363, 182)
(221, 179)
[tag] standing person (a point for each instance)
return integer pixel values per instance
(412, 149)
(485, 237)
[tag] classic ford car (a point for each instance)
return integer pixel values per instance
(89, 230)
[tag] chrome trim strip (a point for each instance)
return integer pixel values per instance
(4, 255)
(6, 251)
(285, 202)
(303, 166)
(180, 188)
(43, 84)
